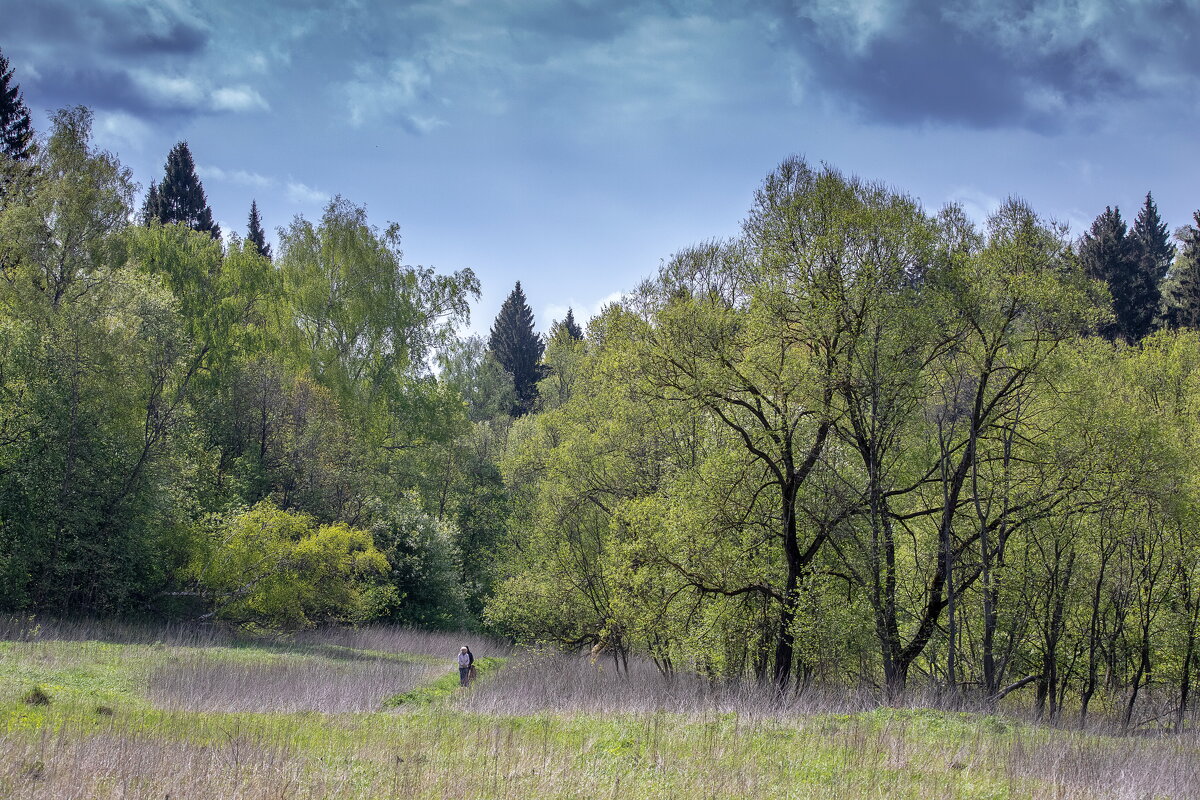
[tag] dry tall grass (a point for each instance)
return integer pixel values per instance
(198, 683)
(552, 681)
(396, 639)
(547, 726)
(444, 754)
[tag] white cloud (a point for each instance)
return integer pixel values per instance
(169, 91)
(977, 204)
(117, 130)
(582, 311)
(855, 23)
(422, 124)
(302, 194)
(295, 191)
(238, 176)
(237, 98)
(373, 96)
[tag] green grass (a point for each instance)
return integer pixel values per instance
(101, 732)
(444, 688)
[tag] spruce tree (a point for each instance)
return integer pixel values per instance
(518, 349)
(571, 326)
(1152, 254)
(1106, 254)
(16, 129)
(152, 210)
(255, 233)
(181, 195)
(565, 329)
(1183, 298)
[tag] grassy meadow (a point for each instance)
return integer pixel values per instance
(123, 712)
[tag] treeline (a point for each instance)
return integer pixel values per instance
(188, 426)
(860, 443)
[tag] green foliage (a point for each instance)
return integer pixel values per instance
(93, 375)
(562, 361)
(265, 568)
(567, 327)
(856, 443)
(16, 129)
(255, 234)
(425, 575)
(1182, 298)
(518, 349)
(1106, 256)
(152, 375)
(283, 437)
(472, 370)
(179, 197)
(1133, 267)
(362, 319)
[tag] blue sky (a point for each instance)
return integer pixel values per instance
(573, 145)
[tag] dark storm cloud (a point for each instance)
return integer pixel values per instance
(121, 28)
(1036, 64)
(179, 38)
(987, 64)
(108, 55)
(97, 87)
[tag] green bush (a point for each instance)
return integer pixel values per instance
(266, 568)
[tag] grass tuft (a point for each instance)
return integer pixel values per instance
(37, 696)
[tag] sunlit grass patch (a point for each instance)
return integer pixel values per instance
(443, 688)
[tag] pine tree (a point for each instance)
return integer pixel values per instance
(16, 129)
(1106, 254)
(255, 233)
(1152, 254)
(571, 326)
(518, 349)
(152, 210)
(566, 328)
(1183, 298)
(181, 195)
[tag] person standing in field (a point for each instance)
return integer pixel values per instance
(466, 665)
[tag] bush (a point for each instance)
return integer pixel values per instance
(426, 567)
(279, 570)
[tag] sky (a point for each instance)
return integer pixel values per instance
(574, 145)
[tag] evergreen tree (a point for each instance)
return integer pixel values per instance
(181, 195)
(16, 129)
(571, 326)
(566, 328)
(1106, 253)
(518, 349)
(1152, 253)
(1183, 298)
(152, 209)
(255, 233)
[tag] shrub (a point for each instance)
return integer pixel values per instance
(266, 568)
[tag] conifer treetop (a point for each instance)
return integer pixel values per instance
(255, 233)
(180, 195)
(16, 128)
(518, 348)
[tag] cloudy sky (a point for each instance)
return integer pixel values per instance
(573, 144)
